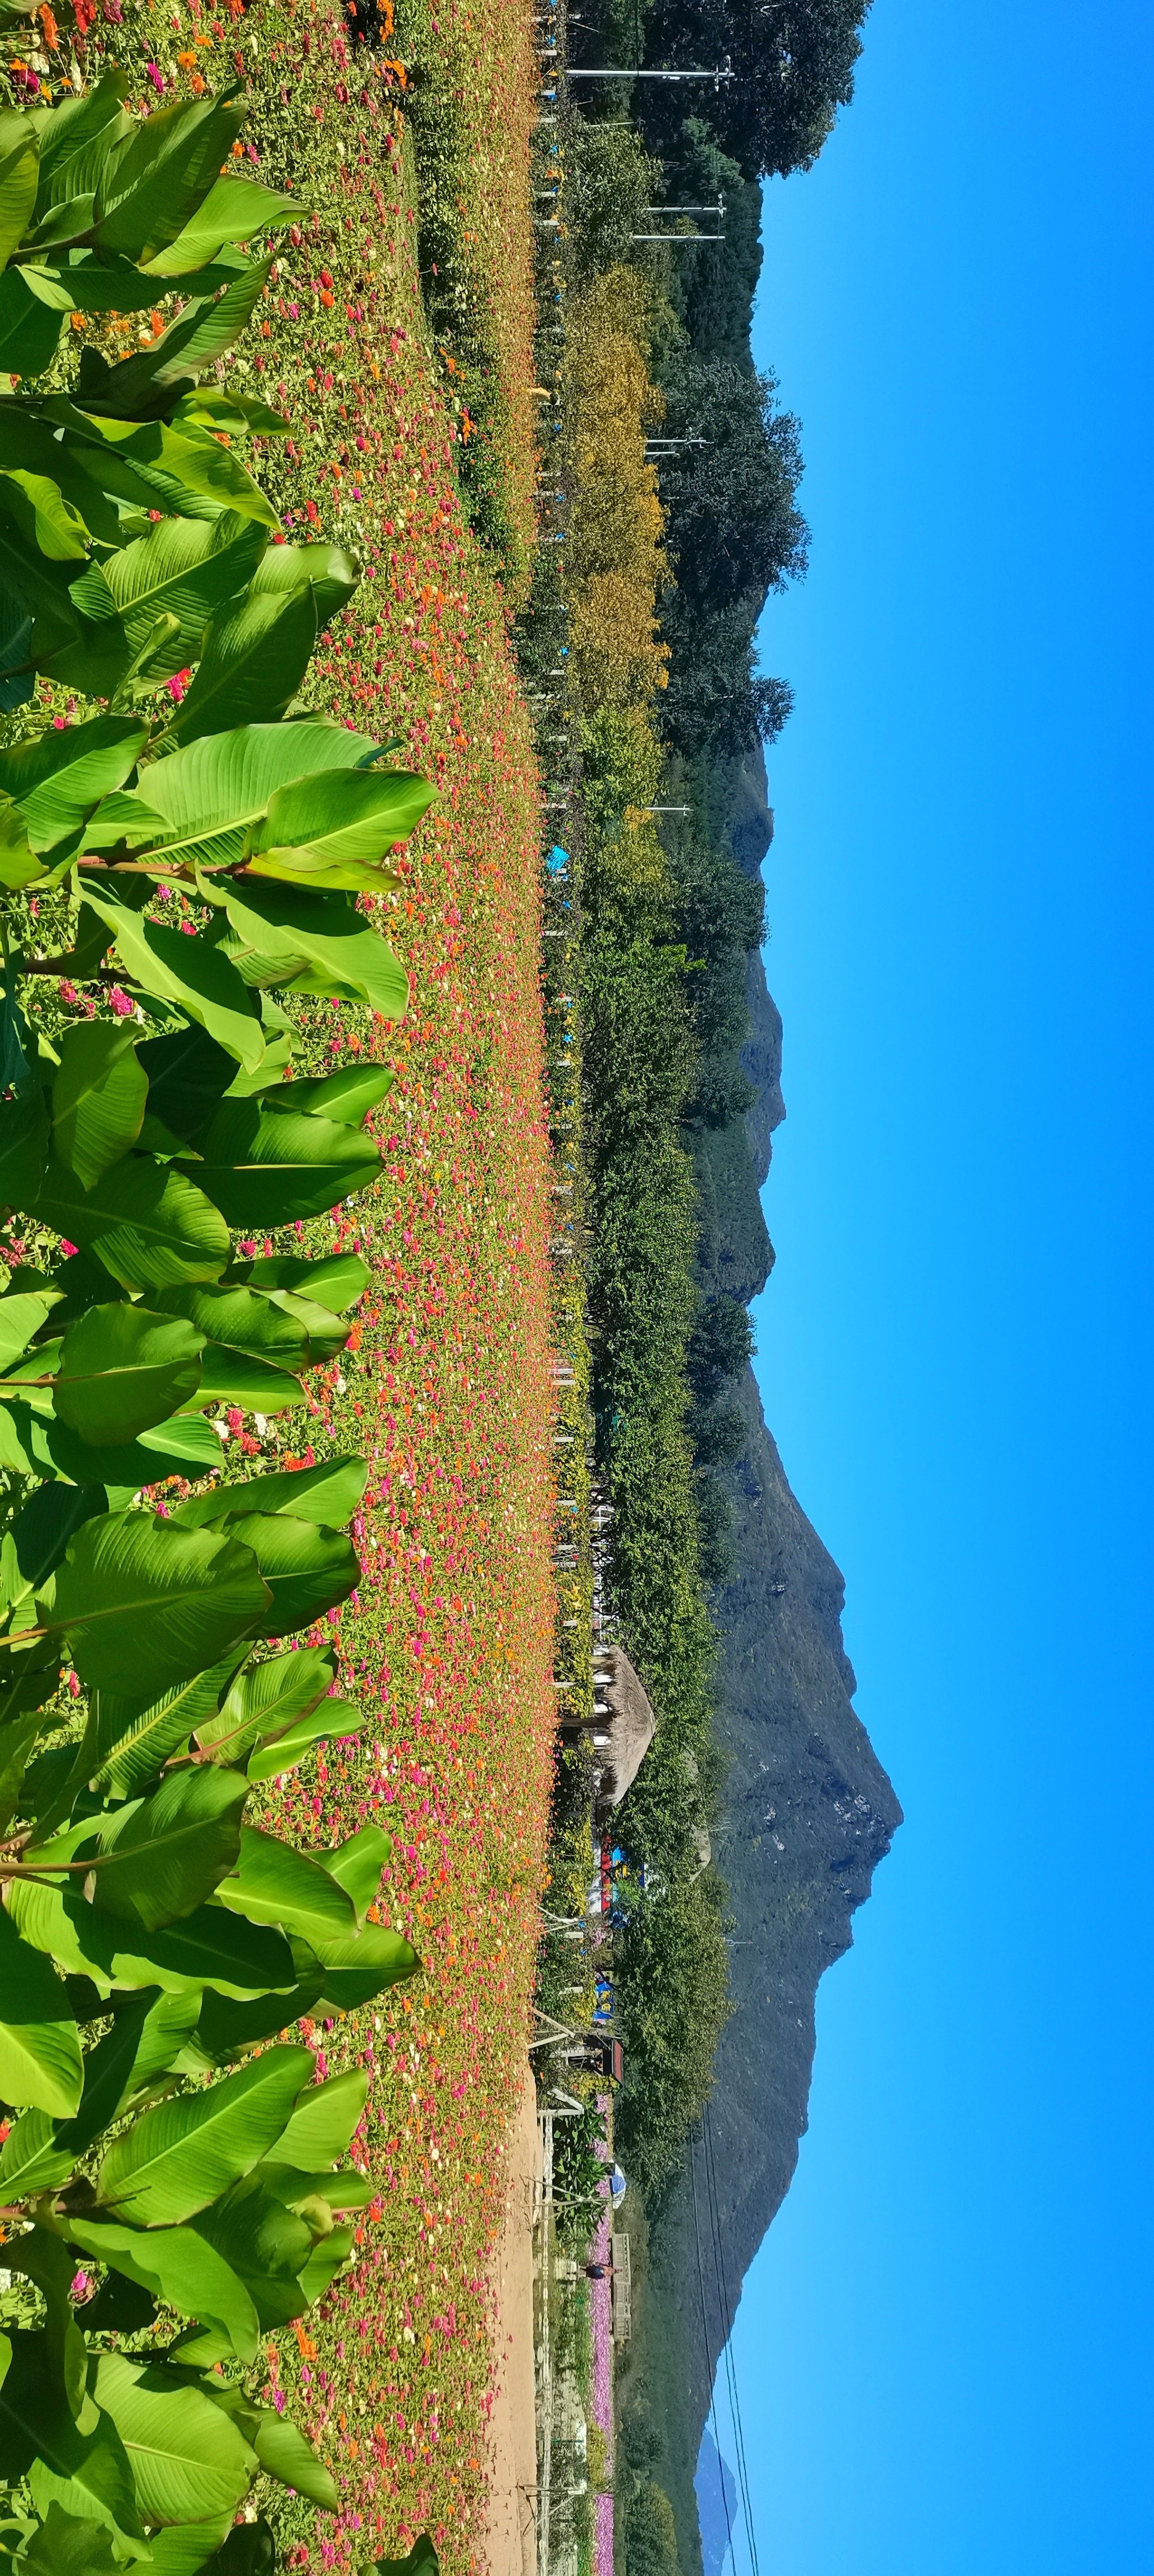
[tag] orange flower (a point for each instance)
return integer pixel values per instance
(51, 30)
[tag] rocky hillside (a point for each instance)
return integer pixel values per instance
(808, 1812)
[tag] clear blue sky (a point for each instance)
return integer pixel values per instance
(944, 2348)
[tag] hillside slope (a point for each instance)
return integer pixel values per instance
(808, 1812)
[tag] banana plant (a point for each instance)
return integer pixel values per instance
(171, 2185)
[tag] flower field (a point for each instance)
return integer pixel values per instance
(449, 1640)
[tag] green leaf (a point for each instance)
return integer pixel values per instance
(188, 1075)
(265, 1699)
(63, 2545)
(326, 1495)
(145, 1604)
(334, 830)
(178, 2157)
(422, 2560)
(31, 2160)
(123, 1369)
(266, 2245)
(345, 2190)
(182, 1446)
(150, 1227)
(330, 574)
(21, 1316)
(19, 176)
(153, 182)
(75, 137)
(272, 1883)
(326, 2260)
(53, 525)
(148, 384)
(240, 1320)
(318, 942)
(264, 1166)
(135, 1737)
(81, 2465)
(230, 1378)
(325, 2119)
(357, 1864)
(58, 779)
(146, 2035)
(233, 211)
(187, 568)
(187, 2457)
(209, 1948)
(332, 1717)
(252, 664)
(184, 472)
(348, 1096)
(29, 331)
(40, 2062)
(208, 794)
(160, 1857)
(227, 2029)
(356, 1971)
(96, 1098)
(185, 2548)
(190, 972)
(180, 2267)
(284, 2453)
(307, 1569)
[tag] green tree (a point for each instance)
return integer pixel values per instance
(650, 2535)
(720, 1347)
(733, 526)
(794, 63)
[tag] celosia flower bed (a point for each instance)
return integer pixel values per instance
(449, 1641)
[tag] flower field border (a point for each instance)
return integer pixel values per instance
(450, 1637)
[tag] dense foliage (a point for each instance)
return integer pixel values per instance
(151, 1933)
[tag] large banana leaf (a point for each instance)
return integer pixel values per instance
(19, 178)
(40, 2061)
(149, 1227)
(144, 1604)
(307, 1569)
(134, 1738)
(189, 972)
(158, 1858)
(96, 1098)
(254, 659)
(271, 1883)
(326, 2117)
(175, 2159)
(326, 1494)
(188, 2458)
(334, 830)
(330, 574)
(123, 1369)
(331, 1717)
(147, 385)
(209, 794)
(266, 1699)
(233, 211)
(265, 2243)
(315, 941)
(208, 1948)
(187, 568)
(153, 181)
(263, 1166)
(58, 779)
(179, 2266)
(240, 1319)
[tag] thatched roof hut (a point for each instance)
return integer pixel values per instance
(629, 1727)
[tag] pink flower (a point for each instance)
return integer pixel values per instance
(155, 75)
(120, 1003)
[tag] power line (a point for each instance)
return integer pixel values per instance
(705, 2342)
(727, 2322)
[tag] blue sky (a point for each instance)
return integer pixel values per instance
(944, 2347)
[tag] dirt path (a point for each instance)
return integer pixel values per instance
(510, 2536)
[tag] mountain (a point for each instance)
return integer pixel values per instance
(716, 2505)
(807, 1814)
